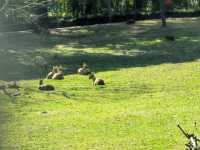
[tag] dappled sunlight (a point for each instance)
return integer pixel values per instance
(183, 20)
(150, 42)
(195, 40)
(148, 23)
(151, 83)
(60, 46)
(99, 74)
(68, 31)
(140, 45)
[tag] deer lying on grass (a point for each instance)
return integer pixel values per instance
(56, 73)
(84, 70)
(45, 87)
(96, 81)
(59, 75)
(54, 70)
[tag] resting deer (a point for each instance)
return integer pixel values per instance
(59, 75)
(84, 70)
(96, 81)
(56, 73)
(45, 87)
(54, 70)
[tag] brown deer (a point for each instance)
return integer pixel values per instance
(96, 81)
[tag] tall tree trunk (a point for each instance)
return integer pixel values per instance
(155, 6)
(163, 13)
(138, 4)
(109, 8)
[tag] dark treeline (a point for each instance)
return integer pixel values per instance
(88, 8)
(53, 13)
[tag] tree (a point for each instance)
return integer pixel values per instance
(109, 9)
(138, 5)
(32, 12)
(162, 13)
(3, 5)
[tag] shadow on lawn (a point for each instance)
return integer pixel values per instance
(138, 46)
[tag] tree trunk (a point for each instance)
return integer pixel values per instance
(162, 13)
(155, 5)
(138, 5)
(109, 10)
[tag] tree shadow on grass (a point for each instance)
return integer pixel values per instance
(105, 62)
(105, 47)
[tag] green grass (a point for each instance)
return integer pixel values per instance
(151, 86)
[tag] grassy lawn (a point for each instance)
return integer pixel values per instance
(151, 86)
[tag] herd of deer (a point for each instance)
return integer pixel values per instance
(57, 73)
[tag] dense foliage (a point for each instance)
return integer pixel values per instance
(82, 8)
(23, 11)
(79, 8)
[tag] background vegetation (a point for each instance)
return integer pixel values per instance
(61, 12)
